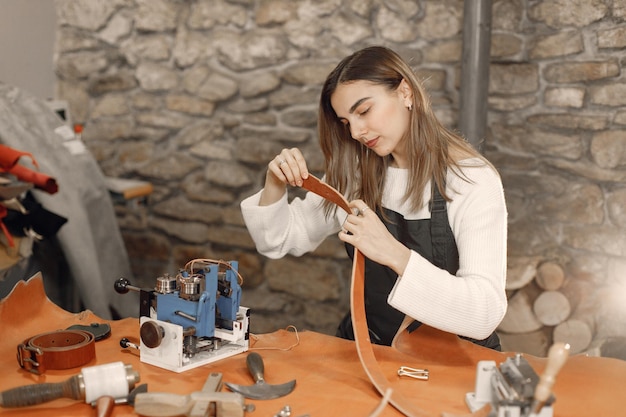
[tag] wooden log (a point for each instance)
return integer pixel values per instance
(534, 343)
(520, 317)
(552, 308)
(614, 347)
(576, 291)
(550, 276)
(520, 272)
(574, 332)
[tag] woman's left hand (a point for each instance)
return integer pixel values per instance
(366, 232)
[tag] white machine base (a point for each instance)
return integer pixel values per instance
(503, 411)
(169, 354)
(484, 395)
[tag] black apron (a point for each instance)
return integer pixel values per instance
(433, 239)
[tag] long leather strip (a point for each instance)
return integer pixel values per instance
(317, 186)
(357, 307)
(364, 345)
(62, 349)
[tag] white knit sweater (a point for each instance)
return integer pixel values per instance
(471, 303)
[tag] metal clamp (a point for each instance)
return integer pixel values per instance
(414, 373)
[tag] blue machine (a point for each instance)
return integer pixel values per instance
(193, 318)
(205, 298)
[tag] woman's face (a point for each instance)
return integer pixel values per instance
(376, 117)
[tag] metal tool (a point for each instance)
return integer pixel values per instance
(104, 406)
(261, 390)
(413, 373)
(113, 379)
(514, 389)
(208, 402)
(130, 399)
(286, 412)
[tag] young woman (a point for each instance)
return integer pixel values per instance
(429, 210)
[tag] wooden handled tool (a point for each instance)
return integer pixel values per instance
(557, 355)
(261, 390)
(114, 379)
(41, 393)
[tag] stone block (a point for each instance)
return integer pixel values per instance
(561, 44)
(613, 94)
(564, 97)
(573, 72)
(513, 78)
(612, 38)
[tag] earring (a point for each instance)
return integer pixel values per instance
(410, 106)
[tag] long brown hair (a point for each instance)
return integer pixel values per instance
(358, 173)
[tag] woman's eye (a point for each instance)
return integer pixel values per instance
(364, 112)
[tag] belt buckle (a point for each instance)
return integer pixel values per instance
(25, 358)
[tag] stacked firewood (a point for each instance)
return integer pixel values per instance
(543, 310)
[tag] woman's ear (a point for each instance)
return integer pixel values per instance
(406, 93)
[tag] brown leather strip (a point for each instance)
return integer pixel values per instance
(357, 306)
(61, 349)
(364, 344)
(315, 185)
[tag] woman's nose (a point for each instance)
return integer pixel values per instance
(357, 130)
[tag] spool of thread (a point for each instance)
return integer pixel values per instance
(110, 379)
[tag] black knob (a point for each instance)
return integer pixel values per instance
(125, 343)
(121, 286)
(151, 334)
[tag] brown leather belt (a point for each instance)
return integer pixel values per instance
(61, 349)
(359, 321)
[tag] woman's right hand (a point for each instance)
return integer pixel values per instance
(288, 167)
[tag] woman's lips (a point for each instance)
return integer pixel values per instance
(371, 143)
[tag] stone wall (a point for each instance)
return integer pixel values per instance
(198, 96)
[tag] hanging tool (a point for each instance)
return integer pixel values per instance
(208, 402)
(260, 390)
(113, 379)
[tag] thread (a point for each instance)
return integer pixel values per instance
(105, 380)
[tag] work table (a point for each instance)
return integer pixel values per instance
(330, 380)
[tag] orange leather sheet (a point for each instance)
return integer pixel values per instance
(329, 378)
